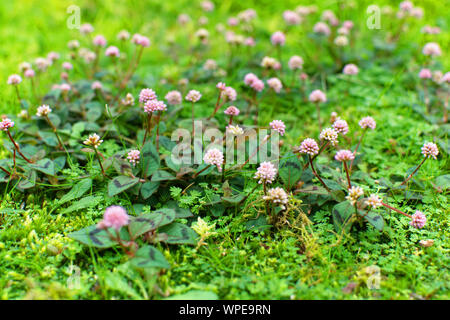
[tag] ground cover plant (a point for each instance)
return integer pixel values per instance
(266, 150)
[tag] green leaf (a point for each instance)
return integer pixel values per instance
(194, 295)
(149, 188)
(93, 237)
(443, 181)
(290, 170)
(117, 282)
(162, 175)
(77, 191)
(45, 166)
(120, 184)
(150, 221)
(341, 215)
(149, 257)
(178, 233)
(150, 159)
(49, 138)
(179, 212)
(373, 218)
(87, 202)
(234, 199)
(29, 181)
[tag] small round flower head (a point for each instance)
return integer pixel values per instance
(43, 111)
(266, 172)
(425, 74)
(247, 15)
(99, 41)
(112, 51)
(140, 40)
(343, 31)
(67, 66)
(5, 124)
(348, 24)
(406, 6)
(23, 114)
(29, 73)
(214, 157)
(133, 156)
(64, 87)
(154, 106)
(303, 76)
(202, 34)
(115, 217)
(329, 134)
(269, 62)
(229, 94)
(147, 95)
(437, 76)
(291, 17)
(235, 130)
(96, 85)
(275, 84)
(73, 44)
(418, 220)
(173, 97)
(221, 86)
(86, 28)
(87, 55)
(278, 38)
(278, 196)
(210, 64)
(93, 141)
(257, 85)
(417, 13)
(432, 49)
(123, 35)
(295, 62)
(14, 79)
(53, 56)
(430, 149)
(367, 122)
(250, 78)
(231, 111)
(278, 126)
(207, 6)
(193, 96)
(129, 100)
(341, 126)
(309, 146)
(341, 41)
(322, 28)
(353, 194)
(183, 19)
(350, 69)
(333, 117)
(232, 22)
(249, 42)
(344, 155)
(317, 96)
(446, 78)
(373, 201)
(24, 66)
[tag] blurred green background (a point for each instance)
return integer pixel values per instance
(32, 28)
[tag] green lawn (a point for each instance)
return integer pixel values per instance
(297, 261)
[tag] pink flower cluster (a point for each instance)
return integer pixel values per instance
(266, 172)
(214, 157)
(309, 146)
(350, 69)
(193, 96)
(114, 217)
(341, 126)
(173, 97)
(140, 40)
(5, 124)
(147, 95)
(317, 96)
(344, 155)
(278, 126)
(254, 82)
(133, 156)
(418, 220)
(275, 84)
(278, 38)
(231, 111)
(430, 149)
(154, 106)
(367, 122)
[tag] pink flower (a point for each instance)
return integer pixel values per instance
(250, 78)
(249, 42)
(193, 96)
(322, 28)
(115, 217)
(275, 84)
(43, 111)
(367, 122)
(373, 201)
(96, 85)
(430, 149)
(112, 51)
(133, 156)
(231, 111)
(266, 172)
(291, 17)
(5, 124)
(147, 95)
(232, 22)
(350, 69)
(278, 196)
(123, 35)
(295, 62)
(446, 77)
(431, 49)
(207, 6)
(140, 40)
(418, 220)
(344, 155)
(221, 86)
(329, 134)
(154, 106)
(341, 126)
(65, 87)
(278, 126)
(214, 157)
(425, 74)
(309, 146)
(86, 28)
(67, 66)
(229, 94)
(317, 96)
(14, 79)
(173, 97)
(52, 56)
(348, 24)
(99, 41)
(278, 38)
(257, 85)
(406, 5)
(341, 41)
(29, 73)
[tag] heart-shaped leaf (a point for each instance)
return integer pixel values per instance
(149, 257)
(150, 221)
(93, 237)
(178, 233)
(120, 184)
(149, 188)
(150, 159)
